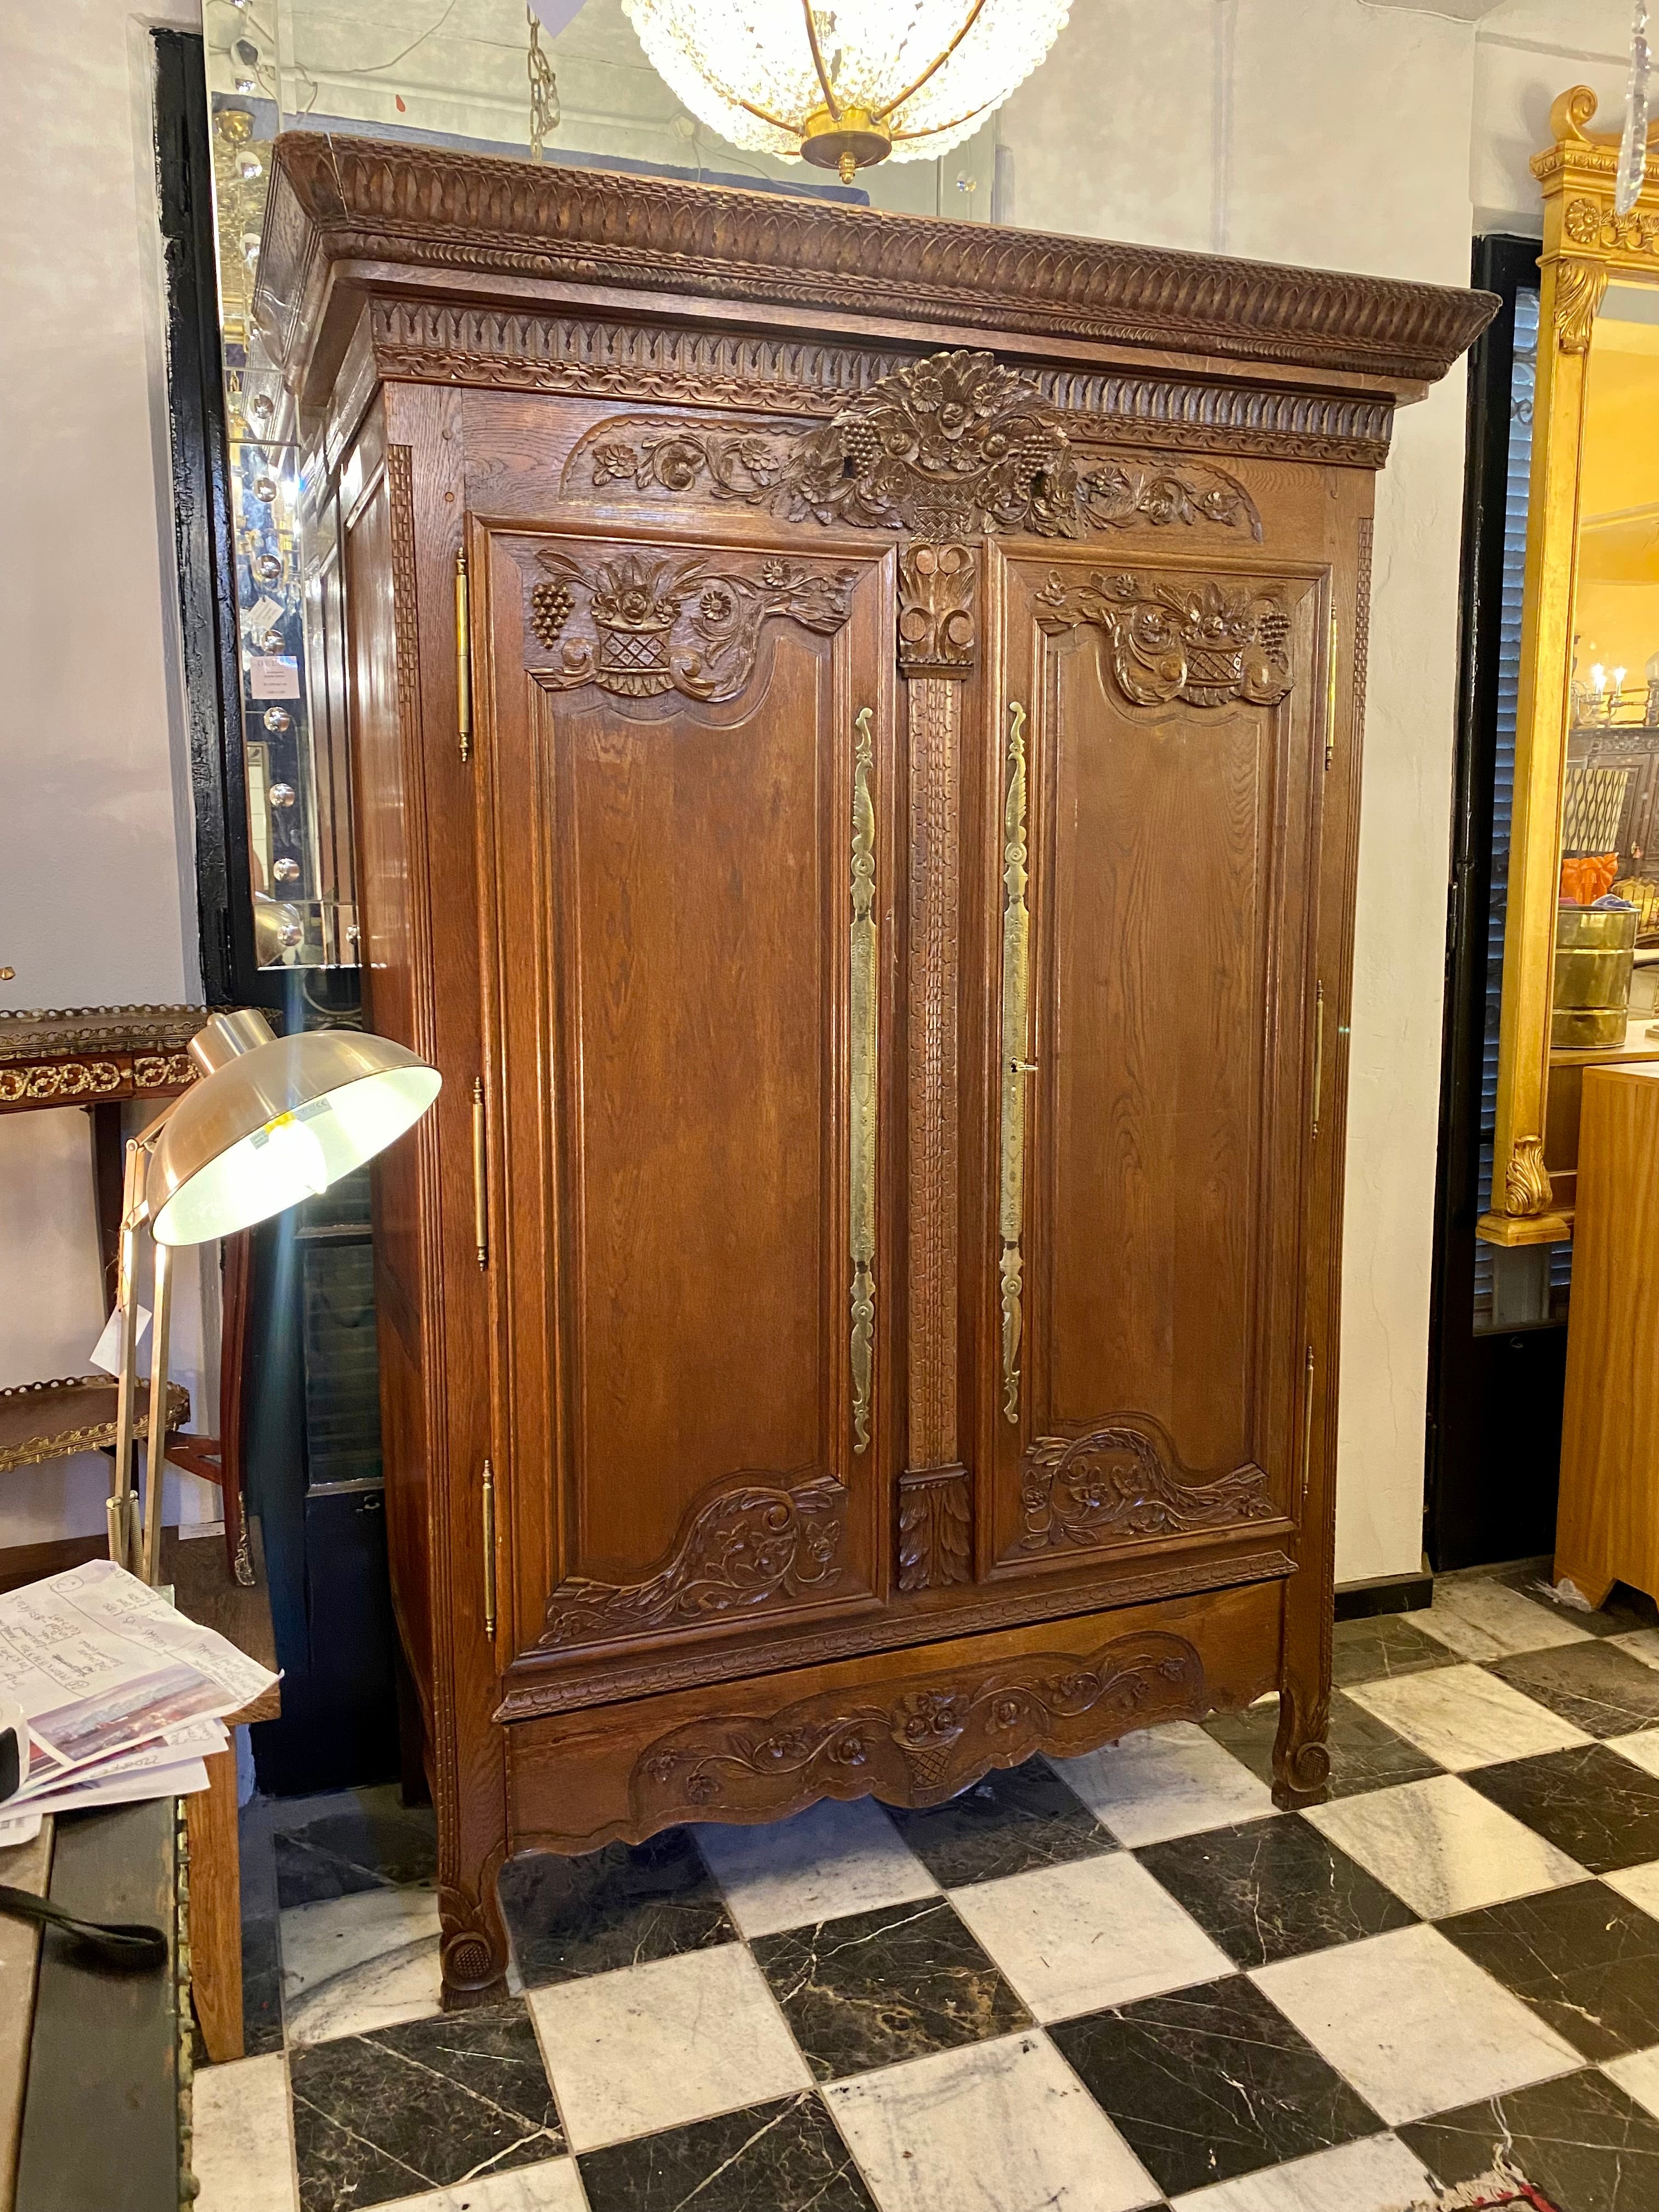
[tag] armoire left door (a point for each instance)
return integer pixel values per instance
(687, 809)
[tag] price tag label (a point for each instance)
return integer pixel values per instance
(273, 676)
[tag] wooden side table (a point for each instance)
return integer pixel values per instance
(241, 1614)
(1608, 1523)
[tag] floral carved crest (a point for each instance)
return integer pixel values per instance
(742, 1549)
(1195, 639)
(944, 447)
(646, 626)
(1112, 1486)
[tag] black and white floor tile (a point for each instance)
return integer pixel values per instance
(1122, 1983)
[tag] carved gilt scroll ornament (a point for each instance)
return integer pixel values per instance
(946, 448)
(1112, 1485)
(916, 1742)
(1586, 222)
(1195, 640)
(1580, 287)
(740, 1550)
(650, 626)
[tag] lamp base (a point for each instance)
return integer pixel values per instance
(846, 142)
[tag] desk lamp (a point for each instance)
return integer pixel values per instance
(273, 1120)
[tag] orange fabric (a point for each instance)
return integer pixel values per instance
(1586, 880)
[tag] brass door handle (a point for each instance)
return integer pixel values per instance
(861, 1049)
(1016, 994)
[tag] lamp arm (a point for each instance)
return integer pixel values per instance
(139, 1553)
(123, 1545)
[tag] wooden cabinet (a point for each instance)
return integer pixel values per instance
(855, 739)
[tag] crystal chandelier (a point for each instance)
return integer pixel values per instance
(846, 85)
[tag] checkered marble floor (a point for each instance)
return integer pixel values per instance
(1096, 1984)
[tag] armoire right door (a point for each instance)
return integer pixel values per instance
(1150, 875)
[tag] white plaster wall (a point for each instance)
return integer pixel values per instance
(1268, 129)
(1527, 51)
(97, 899)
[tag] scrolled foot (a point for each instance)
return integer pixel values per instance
(1302, 1763)
(473, 1951)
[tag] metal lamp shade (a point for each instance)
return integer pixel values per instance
(275, 1120)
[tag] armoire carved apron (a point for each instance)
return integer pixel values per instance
(855, 732)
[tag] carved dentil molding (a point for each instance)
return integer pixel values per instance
(648, 626)
(589, 357)
(1111, 1485)
(740, 1550)
(1201, 641)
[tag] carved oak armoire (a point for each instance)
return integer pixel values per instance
(855, 740)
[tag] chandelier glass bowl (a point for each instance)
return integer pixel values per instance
(847, 85)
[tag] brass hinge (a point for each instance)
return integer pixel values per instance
(489, 1549)
(480, 1173)
(463, 658)
(1319, 1052)
(1307, 1426)
(1330, 698)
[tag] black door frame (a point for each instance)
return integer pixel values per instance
(1494, 1400)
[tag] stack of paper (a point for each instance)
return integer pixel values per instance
(124, 1697)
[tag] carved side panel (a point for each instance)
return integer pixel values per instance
(915, 1742)
(938, 585)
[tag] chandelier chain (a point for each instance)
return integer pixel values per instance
(543, 91)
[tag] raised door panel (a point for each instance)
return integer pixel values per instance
(689, 764)
(1157, 1010)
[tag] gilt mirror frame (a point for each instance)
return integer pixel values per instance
(1585, 246)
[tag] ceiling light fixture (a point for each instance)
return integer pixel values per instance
(846, 86)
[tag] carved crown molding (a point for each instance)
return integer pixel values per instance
(337, 198)
(435, 342)
(648, 626)
(1112, 1486)
(741, 1549)
(1203, 641)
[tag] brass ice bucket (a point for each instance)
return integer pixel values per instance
(1595, 954)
